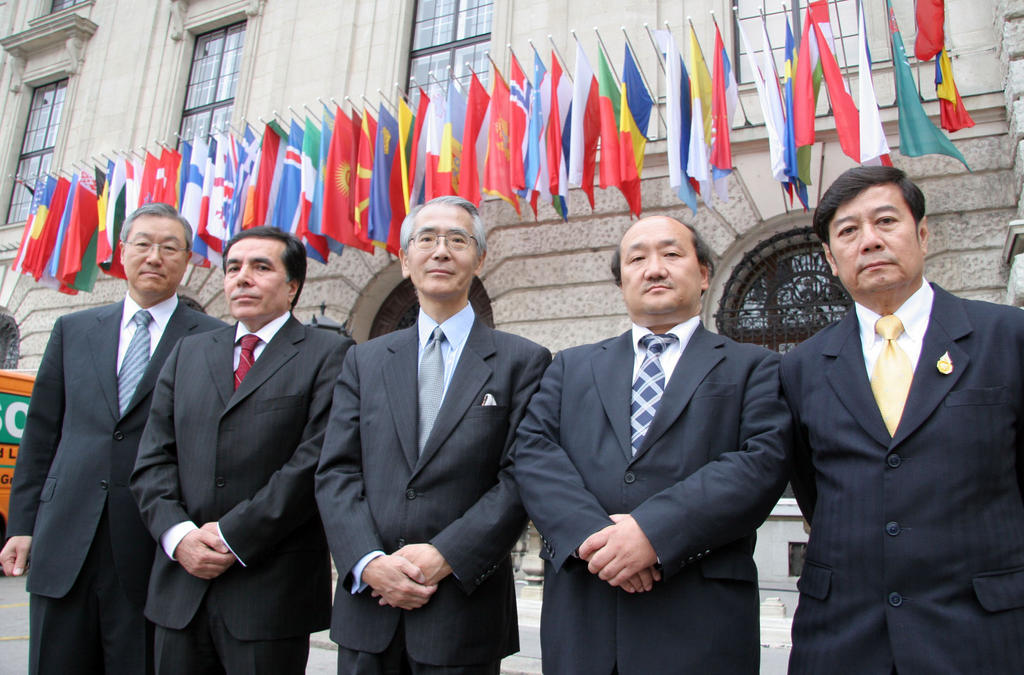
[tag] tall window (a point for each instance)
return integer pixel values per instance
(37, 146)
(64, 4)
(449, 38)
(842, 19)
(212, 82)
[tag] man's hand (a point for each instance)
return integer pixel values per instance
(397, 582)
(203, 553)
(622, 555)
(14, 556)
(428, 559)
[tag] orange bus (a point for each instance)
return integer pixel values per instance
(15, 391)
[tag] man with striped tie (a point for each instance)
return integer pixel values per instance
(72, 516)
(224, 476)
(647, 461)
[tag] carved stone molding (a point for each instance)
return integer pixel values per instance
(181, 21)
(66, 33)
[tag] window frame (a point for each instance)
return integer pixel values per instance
(187, 128)
(25, 184)
(450, 47)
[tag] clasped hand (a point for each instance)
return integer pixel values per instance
(203, 553)
(622, 555)
(407, 578)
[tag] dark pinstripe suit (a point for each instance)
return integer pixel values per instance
(916, 552)
(245, 459)
(376, 494)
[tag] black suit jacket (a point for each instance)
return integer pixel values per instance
(711, 467)
(77, 451)
(243, 458)
(916, 551)
(375, 493)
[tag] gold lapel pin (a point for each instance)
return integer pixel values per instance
(945, 364)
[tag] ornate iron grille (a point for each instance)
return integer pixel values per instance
(781, 293)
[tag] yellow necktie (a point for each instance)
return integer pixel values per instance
(890, 381)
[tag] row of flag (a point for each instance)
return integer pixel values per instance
(349, 178)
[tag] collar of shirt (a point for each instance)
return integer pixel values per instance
(670, 357)
(456, 331)
(161, 313)
(265, 334)
(914, 314)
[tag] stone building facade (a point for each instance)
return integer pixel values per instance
(125, 68)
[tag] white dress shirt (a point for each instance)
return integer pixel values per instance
(456, 330)
(914, 314)
(670, 356)
(161, 313)
(170, 539)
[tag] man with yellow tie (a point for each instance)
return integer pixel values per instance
(909, 458)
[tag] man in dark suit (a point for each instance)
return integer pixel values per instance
(647, 461)
(70, 509)
(414, 483)
(224, 476)
(909, 460)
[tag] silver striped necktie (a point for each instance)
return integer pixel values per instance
(431, 385)
(136, 359)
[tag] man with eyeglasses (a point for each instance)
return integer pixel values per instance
(414, 483)
(71, 513)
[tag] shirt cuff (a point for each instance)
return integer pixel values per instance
(170, 539)
(221, 535)
(358, 585)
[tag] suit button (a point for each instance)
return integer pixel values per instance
(104, 485)
(892, 528)
(410, 494)
(401, 542)
(895, 599)
(893, 460)
(118, 435)
(220, 482)
(630, 478)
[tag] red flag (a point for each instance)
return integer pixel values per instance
(608, 105)
(167, 177)
(364, 171)
(271, 162)
(497, 166)
(339, 181)
(476, 109)
(148, 184)
(558, 180)
(953, 114)
(519, 114)
(81, 228)
(845, 110)
(37, 256)
(721, 146)
(930, 15)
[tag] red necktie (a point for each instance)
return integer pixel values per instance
(246, 358)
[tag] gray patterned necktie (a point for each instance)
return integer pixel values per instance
(648, 387)
(431, 384)
(136, 358)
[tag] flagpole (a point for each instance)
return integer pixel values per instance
(650, 90)
(452, 78)
(561, 59)
(657, 49)
(380, 92)
(842, 43)
(607, 57)
(739, 99)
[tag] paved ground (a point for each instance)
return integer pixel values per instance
(14, 639)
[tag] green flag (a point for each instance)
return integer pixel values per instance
(918, 135)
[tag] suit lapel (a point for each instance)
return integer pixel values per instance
(471, 373)
(281, 349)
(702, 354)
(220, 361)
(613, 371)
(400, 375)
(846, 374)
(103, 346)
(948, 322)
(177, 327)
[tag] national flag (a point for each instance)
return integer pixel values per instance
(724, 99)
(520, 92)
(766, 82)
(583, 126)
(609, 95)
(560, 100)
(677, 111)
(929, 15)
(791, 155)
(364, 172)
(469, 169)
(192, 197)
(286, 212)
(44, 226)
(53, 264)
(406, 149)
(316, 245)
(268, 182)
(167, 177)
(634, 117)
(149, 185)
(78, 268)
(534, 161)
(701, 119)
(339, 180)
(418, 152)
(451, 142)
(217, 231)
(874, 148)
(248, 152)
(807, 85)
(185, 150)
(384, 153)
(952, 114)
(497, 178)
(200, 245)
(133, 183)
(435, 183)
(33, 223)
(104, 242)
(316, 212)
(847, 118)
(918, 135)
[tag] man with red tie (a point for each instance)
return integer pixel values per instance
(224, 476)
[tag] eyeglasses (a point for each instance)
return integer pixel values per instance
(456, 240)
(142, 247)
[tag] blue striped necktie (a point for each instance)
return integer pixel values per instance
(648, 387)
(431, 385)
(136, 359)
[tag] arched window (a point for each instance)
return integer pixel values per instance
(781, 293)
(10, 342)
(401, 308)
